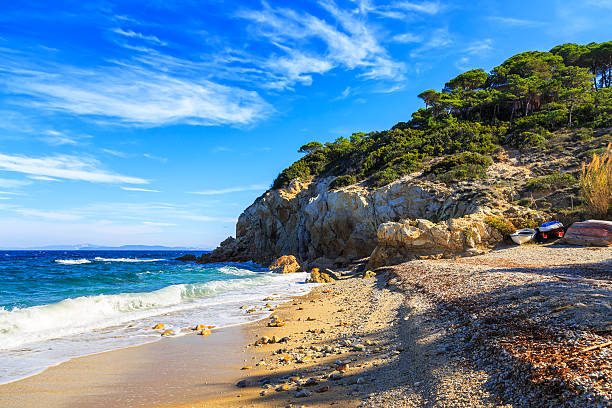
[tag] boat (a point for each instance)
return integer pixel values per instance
(590, 233)
(523, 235)
(550, 231)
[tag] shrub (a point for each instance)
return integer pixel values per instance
(342, 181)
(552, 181)
(596, 184)
(298, 170)
(464, 166)
(386, 176)
(502, 225)
(528, 140)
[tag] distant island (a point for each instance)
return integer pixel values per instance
(91, 247)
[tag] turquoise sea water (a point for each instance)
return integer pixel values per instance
(55, 305)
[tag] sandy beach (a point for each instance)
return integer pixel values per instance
(511, 328)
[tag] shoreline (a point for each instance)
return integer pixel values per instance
(423, 333)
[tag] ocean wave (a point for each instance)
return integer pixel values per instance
(72, 261)
(84, 314)
(100, 259)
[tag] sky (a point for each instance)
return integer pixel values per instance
(159, 122)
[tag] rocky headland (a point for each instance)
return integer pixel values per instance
(413, 217)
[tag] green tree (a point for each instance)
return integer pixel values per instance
(575, 84)
(310, 147)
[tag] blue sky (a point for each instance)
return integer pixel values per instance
(158, 122)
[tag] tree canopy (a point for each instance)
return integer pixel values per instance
(517, 104)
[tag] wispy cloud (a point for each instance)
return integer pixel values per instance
(344, 94)
(406, 38)
(56, 138)
(64, 167)
(48, 214)
(131, 94)
(252, 187)
(133, 34)
(153, 157)
(159, 224)
(347, 38)
(139, 189)
(116, 153)
(426, 7)
(516, 22)
(480, 46)
(42, 178)
(12, 183)
(438, 38)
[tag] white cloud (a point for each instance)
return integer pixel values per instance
(64, 167)
(139, 189)
(252, 187)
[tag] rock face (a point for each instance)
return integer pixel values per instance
(285, 264)
(323, 227)
(409, 239)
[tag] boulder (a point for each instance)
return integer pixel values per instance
(285, 264)
(316, 276)
(158, 326)
(369, 274)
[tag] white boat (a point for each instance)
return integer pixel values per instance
(523, 235)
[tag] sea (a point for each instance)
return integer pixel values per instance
(57, 305)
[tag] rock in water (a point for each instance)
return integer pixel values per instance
(204, 333)
(285, 264)
(168, 333)
(187, 258)
(200, 327)
(158, 326)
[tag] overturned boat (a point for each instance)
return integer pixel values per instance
(550, 231)
(523, 235)
(590, 233)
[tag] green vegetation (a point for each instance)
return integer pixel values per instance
(552, 181)
(342, 181)
(462, 166)
(518, 105)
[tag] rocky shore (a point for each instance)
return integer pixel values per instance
(518, 327)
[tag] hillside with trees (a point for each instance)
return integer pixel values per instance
(534, 102)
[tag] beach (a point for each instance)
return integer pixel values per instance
(508, 328)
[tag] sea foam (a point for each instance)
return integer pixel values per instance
(72, 261)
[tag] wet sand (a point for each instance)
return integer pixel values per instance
(168, 372)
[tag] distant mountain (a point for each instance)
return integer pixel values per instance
(91, 247)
